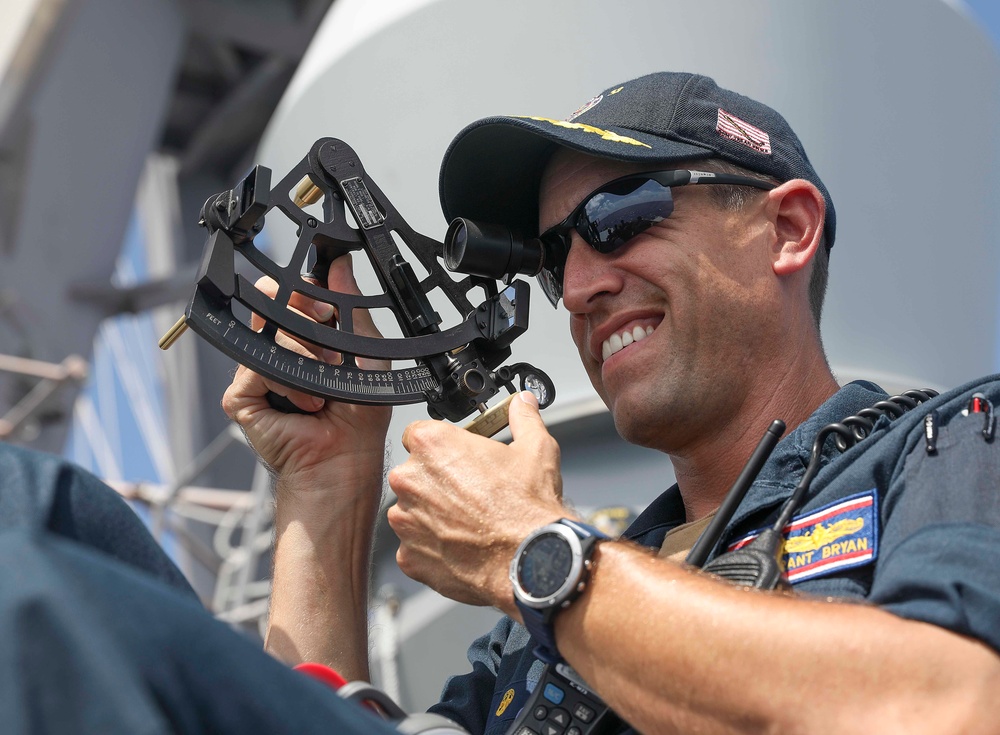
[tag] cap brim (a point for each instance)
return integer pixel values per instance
(492, 169)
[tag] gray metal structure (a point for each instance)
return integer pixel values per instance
(91, 89)
(117, 120)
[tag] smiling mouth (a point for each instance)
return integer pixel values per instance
(618, 342)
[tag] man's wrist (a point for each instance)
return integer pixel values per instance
(344, 476)
(550, 569)
(332, 507)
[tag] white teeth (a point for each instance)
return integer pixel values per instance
(618, 342)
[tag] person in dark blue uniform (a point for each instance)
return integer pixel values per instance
(102, 634)
(731, 282)
(687, 235)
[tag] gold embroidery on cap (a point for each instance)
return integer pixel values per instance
(605, 134)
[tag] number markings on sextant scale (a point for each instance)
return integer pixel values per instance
(420, 381)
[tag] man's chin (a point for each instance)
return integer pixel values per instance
(635, 425)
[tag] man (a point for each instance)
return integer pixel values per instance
(697, 327)
(695, 308)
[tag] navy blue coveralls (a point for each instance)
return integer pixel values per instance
(915, 533)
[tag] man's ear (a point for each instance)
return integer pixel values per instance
(798, 211)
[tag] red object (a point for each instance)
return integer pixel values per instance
(324, 673)
(978, 404)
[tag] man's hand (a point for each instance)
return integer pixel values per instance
(301, 444)
(466, 502)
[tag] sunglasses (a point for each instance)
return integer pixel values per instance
(618, 211)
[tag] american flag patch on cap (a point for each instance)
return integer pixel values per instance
(740, 131)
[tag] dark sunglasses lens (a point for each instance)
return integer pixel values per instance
(622, 210)
(555, 246)
(551, 286)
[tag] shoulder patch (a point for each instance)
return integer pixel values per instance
(838, 536)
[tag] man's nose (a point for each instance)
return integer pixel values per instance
(587, 276)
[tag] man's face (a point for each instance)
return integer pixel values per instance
(672, 326)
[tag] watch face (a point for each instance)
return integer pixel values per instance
(545, 565)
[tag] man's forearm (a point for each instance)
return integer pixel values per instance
(698, 655)
(322, 559)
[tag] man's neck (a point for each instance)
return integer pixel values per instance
(707, 469)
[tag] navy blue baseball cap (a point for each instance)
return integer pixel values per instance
(492, 169)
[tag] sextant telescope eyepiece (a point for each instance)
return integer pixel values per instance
(490, 251)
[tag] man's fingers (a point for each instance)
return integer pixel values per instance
(316, 310)
(302, 401)
(268, 286)
(308, 349)
(250, 386)
(319, 311)
(254, 386)
(524, 417)
(341, 278)
(405, 438)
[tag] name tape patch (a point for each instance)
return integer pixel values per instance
(838, 536)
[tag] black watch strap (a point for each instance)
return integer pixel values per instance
(540, 622)
(543, 633)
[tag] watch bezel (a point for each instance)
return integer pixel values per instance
(566, 590)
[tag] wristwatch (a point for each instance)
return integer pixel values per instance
(550, 569)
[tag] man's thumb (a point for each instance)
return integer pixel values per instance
(523, 415)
